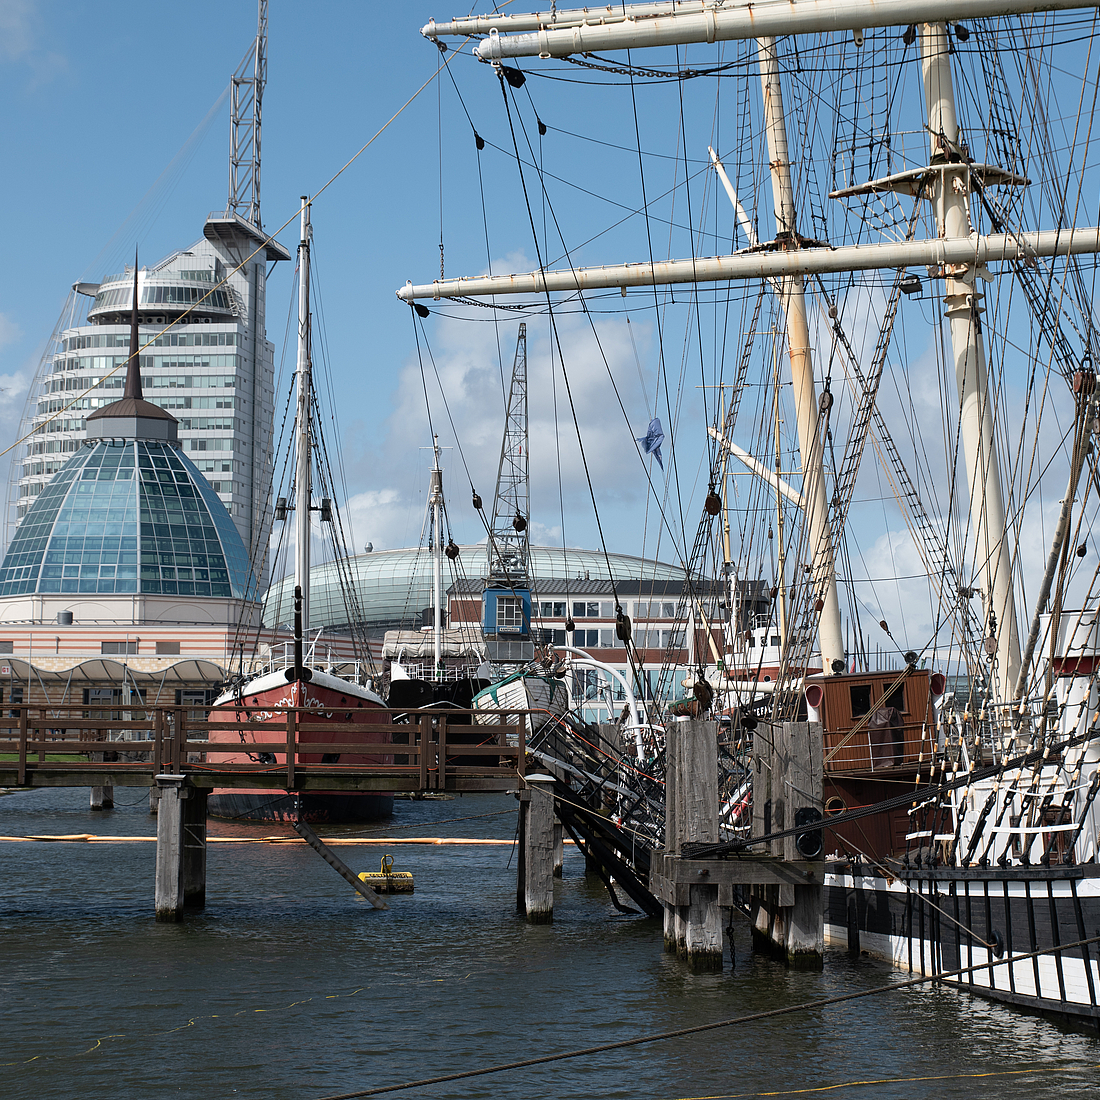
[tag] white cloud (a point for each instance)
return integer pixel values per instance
(19, 43)
(9, 330)
(464, 367)
(16, 31)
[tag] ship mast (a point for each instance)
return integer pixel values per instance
(435, 503)
(951, 200)
(815, 502)
(303, 382)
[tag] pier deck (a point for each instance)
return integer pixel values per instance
(67, 747)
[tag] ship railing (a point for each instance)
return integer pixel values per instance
(440, 749)
(872, 749)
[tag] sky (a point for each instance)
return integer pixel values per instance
(115, 131)
(103, 108)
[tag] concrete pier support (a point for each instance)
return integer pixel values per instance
(694, 930)
(181, 848)
(535, 870)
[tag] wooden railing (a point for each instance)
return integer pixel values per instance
(442, 751)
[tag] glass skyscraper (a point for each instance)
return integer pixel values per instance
(213, 370)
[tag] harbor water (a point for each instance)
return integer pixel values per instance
(290, 987)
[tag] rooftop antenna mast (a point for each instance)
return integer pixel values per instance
(244, 141)
(508, 534)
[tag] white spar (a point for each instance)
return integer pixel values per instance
(637, 26)
(974, 249)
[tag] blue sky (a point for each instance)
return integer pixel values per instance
(100, 99)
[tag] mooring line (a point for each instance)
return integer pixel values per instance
(697, 1029)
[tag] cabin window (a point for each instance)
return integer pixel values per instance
(509, 614)
(861, 699)
(896, 698)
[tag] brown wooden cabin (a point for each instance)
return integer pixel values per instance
(871, 754)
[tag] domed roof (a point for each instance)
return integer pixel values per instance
(392, 586)
(128, 516)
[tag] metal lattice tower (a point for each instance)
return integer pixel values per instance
(508, 538)
(244, 142)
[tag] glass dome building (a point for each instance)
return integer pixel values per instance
(393, 586)
(128, 516)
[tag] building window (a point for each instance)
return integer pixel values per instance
(118, 647)
(168, 649)
(7, 647)
(586, 639)
(559, 637)
(552, 609)
(586, 610)
(509, 614)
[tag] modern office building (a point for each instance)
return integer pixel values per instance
(209, 363)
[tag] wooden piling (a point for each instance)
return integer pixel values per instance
(535, 886)
(672, 834)
(181, 848)
(168, 895)
(788, 919)
(559, 849)
(692, 930)
(194, 849)
(101, 798)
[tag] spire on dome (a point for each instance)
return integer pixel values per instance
(133, 366)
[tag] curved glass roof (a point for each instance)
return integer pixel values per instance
(128, 516)
(393, 586)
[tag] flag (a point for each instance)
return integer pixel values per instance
(652, 440)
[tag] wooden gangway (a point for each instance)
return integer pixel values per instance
(437, 750)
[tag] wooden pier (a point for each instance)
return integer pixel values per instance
(182, 756)
(131, 750)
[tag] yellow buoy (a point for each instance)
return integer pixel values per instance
(387, 880)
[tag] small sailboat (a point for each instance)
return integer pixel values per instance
(299, 683)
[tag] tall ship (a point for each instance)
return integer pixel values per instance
(350, 706)
(890, 320)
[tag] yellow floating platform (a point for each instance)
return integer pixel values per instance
(387, 880)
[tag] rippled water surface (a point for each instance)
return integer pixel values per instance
(290, 986)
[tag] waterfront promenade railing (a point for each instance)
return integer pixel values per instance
(289, 748)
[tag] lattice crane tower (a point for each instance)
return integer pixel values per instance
(509, 535)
